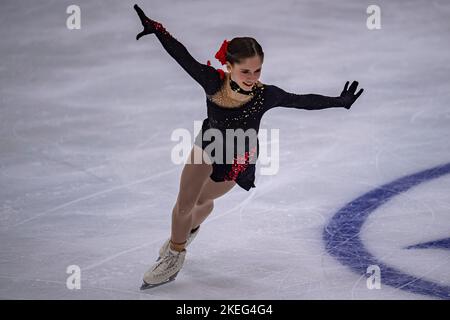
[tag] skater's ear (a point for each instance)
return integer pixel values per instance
(229, 67)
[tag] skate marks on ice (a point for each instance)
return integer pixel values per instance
(65, 294)
(343, 241)
(93, 195)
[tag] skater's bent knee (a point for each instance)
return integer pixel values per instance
(185, 206)
(205, 203)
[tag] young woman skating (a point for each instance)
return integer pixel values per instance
(235, 100)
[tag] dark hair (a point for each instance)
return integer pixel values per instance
(241, 48)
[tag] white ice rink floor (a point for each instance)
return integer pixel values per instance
(86, 176)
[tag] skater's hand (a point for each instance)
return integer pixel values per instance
(349, 96)
(149, 24)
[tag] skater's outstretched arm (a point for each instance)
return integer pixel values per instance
(205, 75)
(281, 98)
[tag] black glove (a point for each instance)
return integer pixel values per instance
(349, 96)
(150, 25)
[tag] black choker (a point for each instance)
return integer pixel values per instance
(235, 87)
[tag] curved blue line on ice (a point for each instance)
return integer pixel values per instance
(343, 242)
(437, 244)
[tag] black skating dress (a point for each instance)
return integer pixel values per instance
(227, 113)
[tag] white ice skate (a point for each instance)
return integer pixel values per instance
(166, 244)
(165, 270)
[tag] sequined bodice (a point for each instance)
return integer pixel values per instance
(225, 112)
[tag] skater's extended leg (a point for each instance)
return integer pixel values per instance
(195, 198)
(205, 203)
(193, 178)
(200, 212)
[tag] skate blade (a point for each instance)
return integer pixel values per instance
(146, 285)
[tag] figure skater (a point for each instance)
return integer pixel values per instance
(235, 100)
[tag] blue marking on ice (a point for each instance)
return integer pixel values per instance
(437, 244)
(342, 234)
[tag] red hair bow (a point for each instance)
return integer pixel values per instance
(221, 55)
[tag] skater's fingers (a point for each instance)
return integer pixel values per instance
(359, 93)
(140, 13)
(345, 88)
(143, 33)
(353, 87)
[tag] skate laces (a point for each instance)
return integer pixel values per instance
(170, 259)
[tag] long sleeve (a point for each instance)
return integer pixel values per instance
(205, 75)
(277, 97)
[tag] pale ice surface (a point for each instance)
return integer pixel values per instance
(86, 176)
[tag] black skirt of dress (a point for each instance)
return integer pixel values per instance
(243, 174)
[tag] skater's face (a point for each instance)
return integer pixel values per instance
(247, 73)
